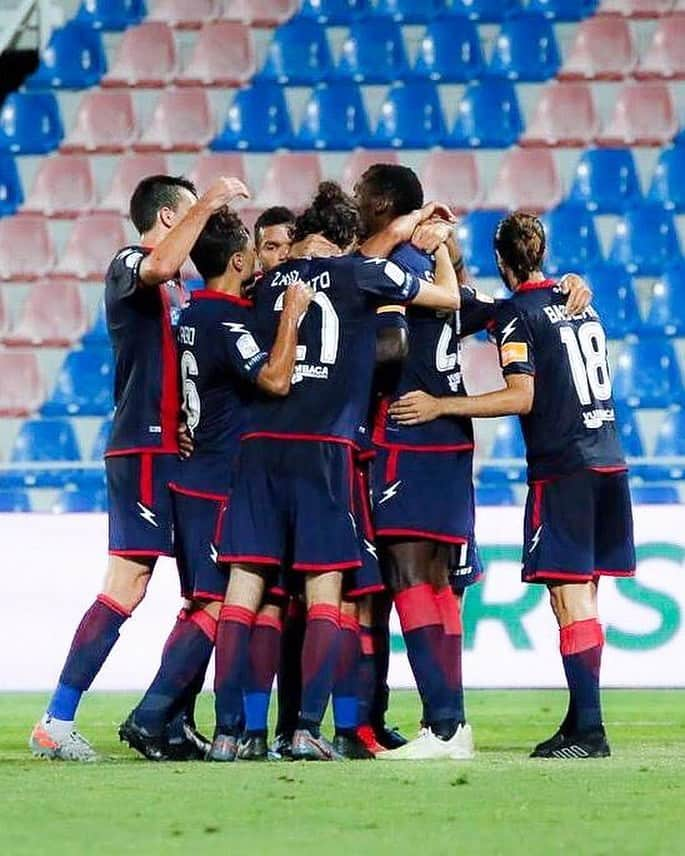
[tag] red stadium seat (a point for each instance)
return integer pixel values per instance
(22, 389)
(224, 55)
(182, 121)
(527, 179)
(603, 49)
(146, 57)
(185, 14)
(665, 57)
(63, 187)
(210, 166)
(565, 116)
(644, 116)
(453, 178)
(130, 169)
(636, 8)
(4, 314)
(260, 13)
(105, 123)
(90, 248)
(291, 179)
(26, 249)
(53, 315)
(360, 160)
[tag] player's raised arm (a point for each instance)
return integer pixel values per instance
(402, 228)
(443, 293)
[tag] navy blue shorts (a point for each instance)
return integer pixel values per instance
(465, 567)
(577, 528)
(366, 579)
(139, 501)
(291, 506)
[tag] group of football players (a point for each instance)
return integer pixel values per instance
(297, 434)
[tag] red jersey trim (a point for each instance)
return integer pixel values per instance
(198, 494)
(307, 438)
(364, 590)
(618, 468)
(212, 294)
(249, 560)
(319, 567)
(206, 595)
(142, 450)
(421, 535)
(536, 285)
(150, 553)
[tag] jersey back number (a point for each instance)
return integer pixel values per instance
(587, 356)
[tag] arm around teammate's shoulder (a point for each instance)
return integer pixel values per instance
(444, 292)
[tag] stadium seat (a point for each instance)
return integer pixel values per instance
(373, 52)
(129, 170)
(666, 314)
(450, 51)
(572, 243)
(405, 11)
(636, 8)
(101, 440)
(30, 123)
(669, 443)
(605, 181)
(644, 115)
(4, 314)
(298, 55)
(184, 14)
(525, 50)
(359, 161)
(335, 13)
(665, 57)
(527, 179)
(508, 443)
(11, 191)
(26, 249)
(182, 122)
(22, 390)
(291, 179)
(614, 299)
(668, 181)
(146, 57)
(563, 10)
(410, 118)
(603, 49)
(565, 115)
(53, 315)
(655, 494)
(629, 431)
(73, 59)
(485, 11)
(97, 332)
(83, 386)
(646, 240)
(646, 374)
(262, 13)
(475, 232)
(224, 55)
(105, 123)
(45, 440)
(208, 167)
(84, 500)
(453, 178)
(501, 494)
(488, 117)
(14, 500)
(111, 14)
(334, 118)
(63, 187)
(258, 120)
(91, 245)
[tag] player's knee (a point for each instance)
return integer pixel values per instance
(246, 586)
(324, 588)
(573, 602)
(127, 580)
(211, 607)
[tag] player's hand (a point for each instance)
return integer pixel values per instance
(439, 210)
(186, 447)
(297, 298)
(315, 247)
(223, 191)
(579, 293)
(415, 408)
(430, 235)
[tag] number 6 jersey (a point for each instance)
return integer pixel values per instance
(572, 424)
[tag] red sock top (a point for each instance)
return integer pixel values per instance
(580, 636)
(265, 620)
(114, 605)
(349, 622)
(417, 607)
(449, 611)
(324, 612)
(205, 622)
(240, 614)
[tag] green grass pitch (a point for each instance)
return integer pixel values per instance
(501, 803)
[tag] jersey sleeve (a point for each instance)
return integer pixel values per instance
(477, 311)
(385, 279)
(123, 275)
(241, 352)
(391, 316)
(514, 340)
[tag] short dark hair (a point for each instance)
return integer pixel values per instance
(399, 185)
(223, 235)
(153, 193)
(277, 215)
(332, 213)
(520, 242)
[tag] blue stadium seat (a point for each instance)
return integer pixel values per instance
(334, 118)
(629, 431)
(410, 118)
(606, 181)
(501, 494)
(405, 11)
(668, 182)
(30, 123)
(333, 12)
(84, 500)
(572, 243)
(45, 441)
(11, 192)
(646, 240)
(646, 374)
(564, 10)
(655, 494)
(374, 52)
(74, 59)
(83, 386)
(526, 50)
(475, 233)
(485, 11)
(508, 443)
(615, 299)
(450, 51)
(101, 440)
(14, 500)
(111, 14)
(258, 120)
(488, 117)
(670, 442)
(667, 310)
(298, 54)
(97, 334)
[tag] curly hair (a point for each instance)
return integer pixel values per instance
(223, 235)
(520, 242)
(331, 213)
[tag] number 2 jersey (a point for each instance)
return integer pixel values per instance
(572, 424)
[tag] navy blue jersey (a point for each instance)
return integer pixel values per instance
(140, 322)
(329, 398)
(219, 360)
(572, 424)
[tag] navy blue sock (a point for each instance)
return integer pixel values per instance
(319, 659)
(232, 663)
(581, 652)
(290, 669)
(366, 675)
(265, 649)
(345, 687)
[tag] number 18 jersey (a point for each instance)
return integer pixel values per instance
(572, 424)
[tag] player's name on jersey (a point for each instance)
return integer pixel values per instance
(319, 282)
(596, 418)
(557, 313)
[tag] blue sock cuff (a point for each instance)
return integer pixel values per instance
(345, 711)
(64, 702)
(256, 711)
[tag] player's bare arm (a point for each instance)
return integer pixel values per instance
(276, 375)
(315, 247)
(444, 292)
(402, 228)
(169, 255)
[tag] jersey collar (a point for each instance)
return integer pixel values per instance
(211, 294)
(535, 285)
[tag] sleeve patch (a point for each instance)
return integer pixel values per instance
(514, 352)
(395, 273)
(247, 347)
(396, 308)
